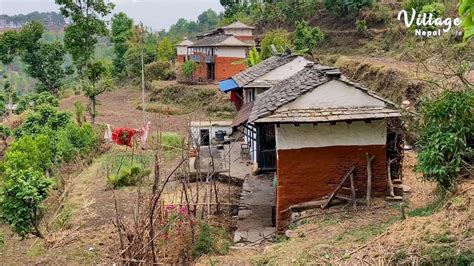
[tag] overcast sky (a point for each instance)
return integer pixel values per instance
(157, 14)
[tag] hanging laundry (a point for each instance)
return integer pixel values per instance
(123, 136)
(108, 134)
(143, 134)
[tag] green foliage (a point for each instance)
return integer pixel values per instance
(306, 37)
(430, 208)
(133, 59)
(437, 9)
(80, 37)
(73, 141)
(446, 255)
(32, 101)
(121, 34)
(466, 11)
(188, 69)
(2, 240)
(79, 112)
(44, 120)
(8, 46)
(166, 50)
(99, 80)
(128, 176)
(169, 140)
(417, 4)
(22, 193)
(446, 128)
(160, 70)
(5, 132)
(347, 7)
(210, 240)
(28, 153)
(279, 38)
(361, 26)
(253, 58)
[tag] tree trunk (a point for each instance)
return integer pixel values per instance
(92, 110)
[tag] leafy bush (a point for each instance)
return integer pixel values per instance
(28, 153)
(34, 100)
(20, 201)
(188, 69)
(211, 240)
(306, 37)
(46, 119)
(278, 38)
(417, 4)
(5, 132)
(446, 137)
(79, 112)
(160, 70)
(169, 140)
(347, 7)
(128, 176)
(73, 141)
(361, 26)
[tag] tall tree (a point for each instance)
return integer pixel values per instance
(166, 50)
(8, 50)
(99, 76)
(80, 40)
(278, 38)
(80, 37)
(121, 34)
(208, 20)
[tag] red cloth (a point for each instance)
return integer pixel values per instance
(123, 136)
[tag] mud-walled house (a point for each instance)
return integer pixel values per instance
(220, 53)
(323, 128)
(247, 85)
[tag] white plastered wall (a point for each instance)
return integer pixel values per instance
(196, 132)
(182, 50)
(238, 52)
(358, 133)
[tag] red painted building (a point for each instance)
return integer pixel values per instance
(220, 53)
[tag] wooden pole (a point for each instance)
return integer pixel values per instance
(369, 177)
(389, 178)
(353, 193)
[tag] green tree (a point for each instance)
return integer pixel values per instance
(446, 137)
(121, 34)
(188, 68)
(466, 11)
(306, 37)
(99, 77)
(208, 20)
(87, 25)
(279, 38)
(5, 133)
(166, 50)
(21, 198)
(347, 7)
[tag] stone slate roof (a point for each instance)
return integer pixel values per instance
(303, 82)
(250, 74)
(218, 40)
(237, 25)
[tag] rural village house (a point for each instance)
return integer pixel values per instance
(219, 53)
(245, 87)
(314, 129)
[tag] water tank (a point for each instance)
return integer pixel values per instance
(220, 135)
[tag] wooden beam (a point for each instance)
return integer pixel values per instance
(353, 192)
(369, 177)
(338, 187)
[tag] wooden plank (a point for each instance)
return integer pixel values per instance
(369, 177)
(338, 187)
(353, 193)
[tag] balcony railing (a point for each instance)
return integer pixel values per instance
(203, 58)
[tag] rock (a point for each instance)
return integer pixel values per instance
(407, 147)
(291, 233)
(406, 102)
(268, 249)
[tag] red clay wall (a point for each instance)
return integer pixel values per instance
(201, 71)
(225, 67)
(244, 38)
(310, 173)
(180, 58)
